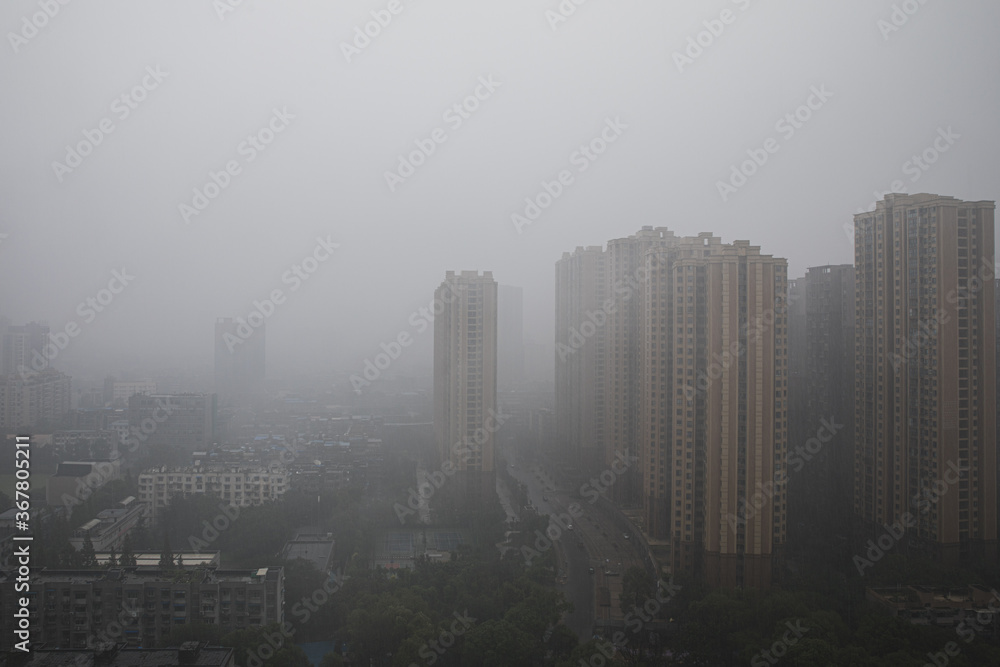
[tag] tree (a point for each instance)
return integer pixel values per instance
(87, 556)
(637, 588)
(166, 554)
(112, 558)
(332, 659)
(128, 556)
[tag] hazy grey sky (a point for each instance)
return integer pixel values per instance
(207, 79)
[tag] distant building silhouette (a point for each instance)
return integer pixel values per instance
(39, 401)
(239, 359)
(821, 357)
(510, 337)
(581, 286)
(465, 378)
(22, 346)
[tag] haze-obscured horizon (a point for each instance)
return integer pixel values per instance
(544, 92)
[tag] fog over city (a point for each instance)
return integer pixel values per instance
(343, 108)
(526, 333)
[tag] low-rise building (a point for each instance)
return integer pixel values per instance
(238, 486)
(941, 607)
(119, 655)
(107, 532)
(78, 609)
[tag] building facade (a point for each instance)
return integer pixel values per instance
(714, 423)
(821, 445)
(465, 376)
(41, 400)
(581, 321)
(81, 608)
(184, 421)
(626, 277)
(925, 372)
(22, 349)
(239, 358)
(236, 486)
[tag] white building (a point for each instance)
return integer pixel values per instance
(238, 486)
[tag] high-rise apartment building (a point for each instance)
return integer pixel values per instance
(581, 319)
(925, 372)
(821, 436)
(239, 358)
(22, 346)
(690, 336)
(714, 421)
(510, 337)
(625, 266)
(184, 421)
(465, 377)
(41, 400)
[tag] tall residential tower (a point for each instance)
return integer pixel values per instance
(465, 378)
(925, 399)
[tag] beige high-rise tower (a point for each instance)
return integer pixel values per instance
(925, 400)
(625, 266)
(465, 377)
(714, 409)
(581, 320)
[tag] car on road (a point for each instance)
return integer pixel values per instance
(591, 570)
(569, 527)
(626, 536)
